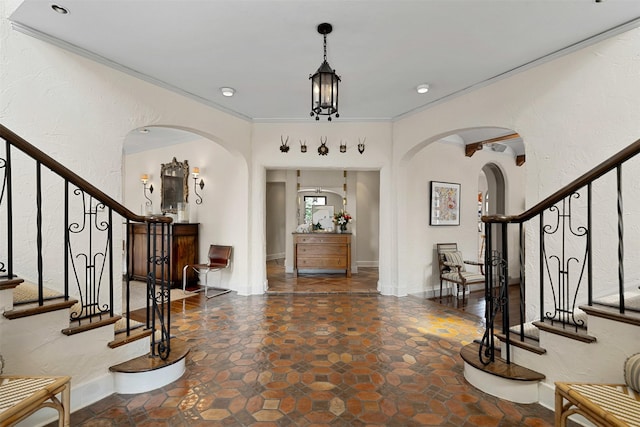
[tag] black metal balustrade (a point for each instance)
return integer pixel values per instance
(86, 240)
(565, 256)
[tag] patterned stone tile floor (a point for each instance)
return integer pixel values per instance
(317, 360)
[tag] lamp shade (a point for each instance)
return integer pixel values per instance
(324, 91)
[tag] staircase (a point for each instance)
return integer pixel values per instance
(579, 314)
(61, 283)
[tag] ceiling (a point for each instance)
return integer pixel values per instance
(266, 50)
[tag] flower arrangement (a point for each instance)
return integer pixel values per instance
(342, 218)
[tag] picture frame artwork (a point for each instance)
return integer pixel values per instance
(445, 203)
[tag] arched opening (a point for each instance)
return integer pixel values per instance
(491, 200)
(146, 150)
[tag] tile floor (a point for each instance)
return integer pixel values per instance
(317, 360)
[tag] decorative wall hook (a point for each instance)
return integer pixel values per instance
(361, 145)
(323, 150)
(343, 147)
(284, 146)
(303, 146)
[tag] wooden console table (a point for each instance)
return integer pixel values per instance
(183, 238)
(322, 251)
(22, 396)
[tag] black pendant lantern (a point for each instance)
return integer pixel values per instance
(324, 84)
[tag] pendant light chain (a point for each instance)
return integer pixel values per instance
(325, 48)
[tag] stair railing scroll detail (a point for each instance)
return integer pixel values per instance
(496, 302)
(158, 300)
(6, 269)
(92, 233)
(565, 261)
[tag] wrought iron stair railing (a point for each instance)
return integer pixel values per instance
(58, 231)
(578, 233)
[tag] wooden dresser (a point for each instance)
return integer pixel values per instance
(322, 251)
(183, 238)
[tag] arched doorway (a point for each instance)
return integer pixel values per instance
(491, 201)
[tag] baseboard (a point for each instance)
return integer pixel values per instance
(271, 257)
(368, 263)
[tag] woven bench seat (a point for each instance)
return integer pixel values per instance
(21, 396)
(602, 404)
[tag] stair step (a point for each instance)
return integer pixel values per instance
(87, 324)
(528, 343)
(122, 338)
(179, 350)
(6, 283)
(137, 331)
(630, 317)
(26, 293)
(500, 367)
(32, 309)
(572, 332)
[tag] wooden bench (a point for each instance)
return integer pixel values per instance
(602, 404)
(21, 396)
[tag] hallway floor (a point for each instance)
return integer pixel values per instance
(317, 360)
(364, 282)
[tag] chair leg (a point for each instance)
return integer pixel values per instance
(184, 278)
(206, 283)
(440, 288)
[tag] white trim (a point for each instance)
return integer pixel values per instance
(511, 390)
(367, 263)
(279, 255)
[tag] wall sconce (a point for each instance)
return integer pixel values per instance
(144, 178)
(196, 174)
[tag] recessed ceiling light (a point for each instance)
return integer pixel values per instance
(61, 10)
(423, 88)
(227, 91)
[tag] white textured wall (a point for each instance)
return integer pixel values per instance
(368, 202)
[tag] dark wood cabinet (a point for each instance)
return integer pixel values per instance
(182, 239)
(322, 251)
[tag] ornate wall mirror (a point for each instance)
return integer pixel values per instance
(175, 188)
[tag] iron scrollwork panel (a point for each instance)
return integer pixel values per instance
(565, 248)
(88, 244)
(495, 302)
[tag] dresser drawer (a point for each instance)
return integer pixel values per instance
(325, 262)
(321, 250)
(323, 238)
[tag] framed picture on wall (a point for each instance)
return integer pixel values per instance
(445, 203)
